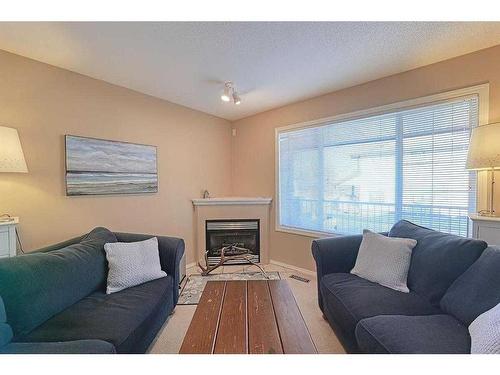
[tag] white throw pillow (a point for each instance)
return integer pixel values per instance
(384, 260)
(132, 263)
(485, 332)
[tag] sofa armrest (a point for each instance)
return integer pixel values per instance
(334, 255)
(171, 251)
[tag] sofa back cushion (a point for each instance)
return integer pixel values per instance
(477, 290)
(437, 259)
(36, 286)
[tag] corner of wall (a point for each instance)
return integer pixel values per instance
(232, 153)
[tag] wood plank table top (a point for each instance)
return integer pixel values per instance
(247, 317)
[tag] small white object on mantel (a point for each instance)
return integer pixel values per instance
(232, 201)
(8, 237)
(486, 228)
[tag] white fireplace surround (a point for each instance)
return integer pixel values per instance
(233, 208)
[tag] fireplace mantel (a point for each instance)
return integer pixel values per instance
(232, 201)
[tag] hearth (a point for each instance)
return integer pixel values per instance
(243, 233)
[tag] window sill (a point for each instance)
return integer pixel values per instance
(305, 233)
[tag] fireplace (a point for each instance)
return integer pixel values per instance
(239, 232)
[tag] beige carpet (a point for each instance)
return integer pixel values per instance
(170, 338)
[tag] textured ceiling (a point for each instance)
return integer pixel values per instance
(272, 63)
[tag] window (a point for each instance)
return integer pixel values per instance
(370, 172)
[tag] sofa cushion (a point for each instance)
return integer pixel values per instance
(67, 347)
(5, 330)
(5, 334)
(398, 334)
(477, 290)
(121, 318)
(437, 259)
(36, 286)
(350, 298)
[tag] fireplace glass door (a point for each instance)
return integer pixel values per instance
(239, 232)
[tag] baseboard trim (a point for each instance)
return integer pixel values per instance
(289, 266)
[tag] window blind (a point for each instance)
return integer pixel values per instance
(370, 172)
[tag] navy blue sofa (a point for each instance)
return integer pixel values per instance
(54, 300)
(452, 280)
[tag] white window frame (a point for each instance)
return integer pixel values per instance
(482, 91)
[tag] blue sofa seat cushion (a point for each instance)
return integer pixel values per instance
(68, 347)
(122, 318)
(5, 334)
(5, 329)
(398, 334)
(349, 299)
(37, 286)
(437, 260)
(477, 290)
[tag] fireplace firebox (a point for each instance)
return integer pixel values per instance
(238, 232)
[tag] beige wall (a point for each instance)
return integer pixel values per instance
(195, 150)
(253, 158)
(44, 103)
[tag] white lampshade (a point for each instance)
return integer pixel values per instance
(484, 147)
(11, 153)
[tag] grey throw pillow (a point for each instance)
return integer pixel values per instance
(384, 260)
(132, 263)
(485, 332)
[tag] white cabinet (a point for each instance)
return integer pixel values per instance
(486, 228)
(8, 238)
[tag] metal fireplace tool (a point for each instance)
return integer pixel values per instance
(231, 253)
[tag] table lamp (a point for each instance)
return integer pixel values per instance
(11, 156)
(484, 154)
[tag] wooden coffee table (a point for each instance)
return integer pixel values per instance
(254, 317)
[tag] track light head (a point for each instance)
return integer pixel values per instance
(230, 94)
(226, 94)
(236, 98)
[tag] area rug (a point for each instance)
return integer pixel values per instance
(195, 284)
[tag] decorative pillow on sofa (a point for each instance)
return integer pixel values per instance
(384, 260)
(132, 263)
(485, 332)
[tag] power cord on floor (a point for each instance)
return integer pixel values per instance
(19, 241)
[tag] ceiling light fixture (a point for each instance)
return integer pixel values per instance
(236, 98)
(230, 93)
(226, 95)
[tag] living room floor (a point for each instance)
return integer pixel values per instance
(170, 338)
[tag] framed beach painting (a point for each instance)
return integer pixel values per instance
(98, 166)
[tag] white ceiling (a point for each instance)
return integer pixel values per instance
(272, 63)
